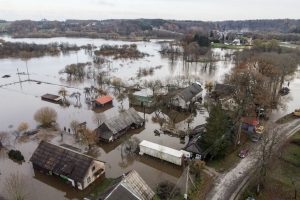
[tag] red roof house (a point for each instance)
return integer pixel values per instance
(101, 101)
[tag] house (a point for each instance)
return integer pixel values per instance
(144, 97)
(187, 96)
(116, 126)
(129, 187)
(222, 91)
(52, 98)
(75, 168)
(102, 101)
(161, 152)
(194, 147)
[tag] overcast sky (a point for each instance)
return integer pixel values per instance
(208, 10)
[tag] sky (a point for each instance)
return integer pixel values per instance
(206, 10)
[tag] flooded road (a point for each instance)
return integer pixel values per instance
(19, 102)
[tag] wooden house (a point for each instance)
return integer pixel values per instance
(114, 127)
(75, 168)
(185, 97)
(130, 186)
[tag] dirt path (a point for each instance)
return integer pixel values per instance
(228, 185)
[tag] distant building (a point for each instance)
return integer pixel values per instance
(78, 169)
(185, 97)
(116, 126)
(130, 186)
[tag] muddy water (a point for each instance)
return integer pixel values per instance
(19, 102)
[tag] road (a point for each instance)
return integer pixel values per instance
(229, 184)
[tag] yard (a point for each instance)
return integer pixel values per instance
(283, 178)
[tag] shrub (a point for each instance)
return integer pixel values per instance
(16, 155)
(45, 116)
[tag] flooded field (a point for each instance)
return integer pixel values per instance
(20, 101)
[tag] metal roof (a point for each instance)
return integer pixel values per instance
(160, 148)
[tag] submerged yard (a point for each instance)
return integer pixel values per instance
(19, 102)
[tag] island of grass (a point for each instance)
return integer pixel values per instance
(120, 52)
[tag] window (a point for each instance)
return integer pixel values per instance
(93, 169)
(88, 179)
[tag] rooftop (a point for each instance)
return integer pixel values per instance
(144, 93)
(163, 149)
(104, 99)
(61, 160)
(191, 91)
(129, 187)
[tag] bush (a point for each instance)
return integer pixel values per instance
(45, 116)
(167, 190)
(16, 155)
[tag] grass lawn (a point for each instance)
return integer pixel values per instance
(283, 176)
(232, 159)
(224, 46)
(286, 118)
(99, 188)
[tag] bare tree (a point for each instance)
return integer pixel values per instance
(266, 152)
(15, 187)
(45, 116)
(3, 138)
(23, 126)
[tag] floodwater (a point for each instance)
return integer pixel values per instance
(19, 102)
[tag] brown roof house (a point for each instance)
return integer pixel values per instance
(75, 168)
(129, 187)
(116, 126)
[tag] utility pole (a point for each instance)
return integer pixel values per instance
(187, 182)
(27, 69)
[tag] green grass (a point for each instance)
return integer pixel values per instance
(101, 187)
(224, 46)
(285, 170)
(285, 119)
(221, 165)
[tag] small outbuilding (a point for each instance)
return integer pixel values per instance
(102, 101)
(52, 98)
(115, 127)
(73, 167)
(143, 98)
(130, 186)
(194, 147)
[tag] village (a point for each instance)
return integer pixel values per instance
(150, 127)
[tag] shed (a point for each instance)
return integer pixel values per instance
(130, 186)
(162, 152)
(104, 100)
(51, 98)
(78, 169)
(116, 126)
(143, 97)
(194, 147)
